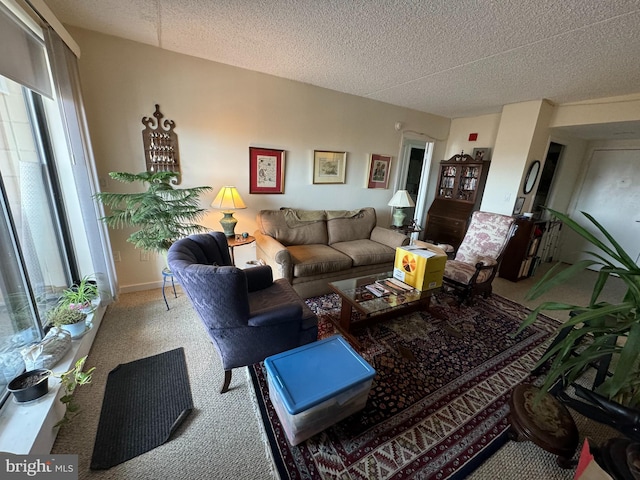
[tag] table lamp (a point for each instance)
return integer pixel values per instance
(227, 200)
(399, 201)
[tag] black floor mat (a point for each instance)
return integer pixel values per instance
(144, 402)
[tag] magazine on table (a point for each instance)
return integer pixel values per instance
(394, 285)
(388, 286)
(377, 289)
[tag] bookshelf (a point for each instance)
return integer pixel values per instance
(521, 257)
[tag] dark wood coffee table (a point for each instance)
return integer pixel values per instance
(353, 295)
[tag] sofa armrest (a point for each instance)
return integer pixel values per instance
(276, 315)
(274, 254)
(388, 237)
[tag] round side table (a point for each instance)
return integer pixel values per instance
(168, 274)
(237, 241)
(548, 423)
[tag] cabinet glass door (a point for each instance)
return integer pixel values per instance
(447, 181)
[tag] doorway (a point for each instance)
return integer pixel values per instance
(609, 193)
(545, 186)
(414, 168)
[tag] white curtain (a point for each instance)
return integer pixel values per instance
(64, 66)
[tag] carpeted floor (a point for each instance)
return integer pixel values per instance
(439, 401)
(222, 438)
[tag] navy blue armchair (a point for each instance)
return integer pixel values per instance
(247, 315)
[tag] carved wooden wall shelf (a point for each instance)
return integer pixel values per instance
(161, 145)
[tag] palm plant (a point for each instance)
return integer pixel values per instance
(162, 214)
(599, 330)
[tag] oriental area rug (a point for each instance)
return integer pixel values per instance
(438, 404)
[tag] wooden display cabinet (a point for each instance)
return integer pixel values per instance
(460, 187)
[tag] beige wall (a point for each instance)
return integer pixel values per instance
(486, 126)
(220, 111)
(518, 125)
(522, 133)
(602, 110)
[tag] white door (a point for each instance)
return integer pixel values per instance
(414, 168)
(611, 194)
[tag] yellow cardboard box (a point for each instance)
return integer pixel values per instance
(420, 267)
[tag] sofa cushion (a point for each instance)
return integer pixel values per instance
(366, 252)
(356, 226)
(289, 227)
(309, 260)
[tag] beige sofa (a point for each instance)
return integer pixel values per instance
(311, 248)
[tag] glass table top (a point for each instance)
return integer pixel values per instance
(355, 292)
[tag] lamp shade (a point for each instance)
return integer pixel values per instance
(228, 198)
(401, 199)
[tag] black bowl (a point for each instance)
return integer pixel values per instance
(30, 385)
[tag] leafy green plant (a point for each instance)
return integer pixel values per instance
(599, 329)
(81, 294)
(162, 214)
(69, 381)
(61, 315)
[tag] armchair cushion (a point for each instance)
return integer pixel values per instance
(463, 272)
(275, 315)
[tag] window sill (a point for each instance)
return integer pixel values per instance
(28, 428)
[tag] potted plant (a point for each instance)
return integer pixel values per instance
(34, 384)
(600, 331)
(30, 385)
(161, 215)
(69, 381)
(70, 319)
(81, 295)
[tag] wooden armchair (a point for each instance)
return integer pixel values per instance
(478, 258)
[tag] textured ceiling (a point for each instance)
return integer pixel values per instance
(453, 58)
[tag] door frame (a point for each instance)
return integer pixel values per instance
(403, 170)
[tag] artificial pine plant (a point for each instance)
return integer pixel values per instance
(162, 214)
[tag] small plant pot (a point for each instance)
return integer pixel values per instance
(30, 385)
(75, 329)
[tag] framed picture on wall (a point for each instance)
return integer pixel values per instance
(481, 154)
(517, 209)
(266, 170)
(379, 171)
(329, 167)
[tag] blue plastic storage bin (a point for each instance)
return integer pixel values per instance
(316, 385)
